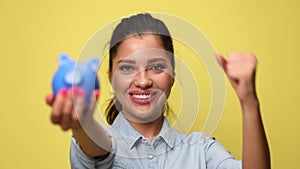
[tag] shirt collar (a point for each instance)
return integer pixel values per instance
(122, 128)
(127, 132)
(168, 134)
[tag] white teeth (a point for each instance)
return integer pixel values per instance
(141, 96)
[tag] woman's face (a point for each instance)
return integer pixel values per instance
(142, 77)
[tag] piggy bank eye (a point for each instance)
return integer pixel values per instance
(72, 79)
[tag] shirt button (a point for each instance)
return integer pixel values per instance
(146, 142)
(151, 156)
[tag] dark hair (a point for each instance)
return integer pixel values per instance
(136, 25)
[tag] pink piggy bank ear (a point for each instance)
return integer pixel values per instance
(93, 64)
(64, 59)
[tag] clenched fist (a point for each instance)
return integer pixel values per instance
(240, 69)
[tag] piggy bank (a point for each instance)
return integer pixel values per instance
(79, 74)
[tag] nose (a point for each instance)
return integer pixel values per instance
(142, 80)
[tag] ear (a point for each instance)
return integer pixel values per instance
(64, 59)
(93, 64)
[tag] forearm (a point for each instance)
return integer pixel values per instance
(256, 153)
(89, 147)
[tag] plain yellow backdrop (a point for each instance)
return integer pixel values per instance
(34, 33)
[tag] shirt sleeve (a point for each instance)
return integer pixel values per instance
(219, 158)
(79, 160)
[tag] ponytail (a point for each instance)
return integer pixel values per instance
(112, 110)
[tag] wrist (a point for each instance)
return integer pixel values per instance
(84, 124)
(251, 104)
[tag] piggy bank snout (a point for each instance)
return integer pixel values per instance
(72, 78)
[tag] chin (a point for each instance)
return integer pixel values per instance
(143, 116)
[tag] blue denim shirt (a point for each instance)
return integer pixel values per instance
(169, 150)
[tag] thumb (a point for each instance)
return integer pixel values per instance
(223, 63)
(221, 60)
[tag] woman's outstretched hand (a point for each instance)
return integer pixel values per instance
(70, 112)
(69, 109)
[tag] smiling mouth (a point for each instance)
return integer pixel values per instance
(143, 97)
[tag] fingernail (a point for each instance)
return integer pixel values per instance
(80, 92)
(96, 93)
(49, 97)
(63, 92)
(221, 60)
(73, 90)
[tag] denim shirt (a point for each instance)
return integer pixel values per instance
(169, 150)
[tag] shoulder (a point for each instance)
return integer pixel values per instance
(197, 141)
(198, 138)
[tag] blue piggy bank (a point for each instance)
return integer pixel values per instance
(80, 74)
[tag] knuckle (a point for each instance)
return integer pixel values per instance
(65, 124)
(75, 118)
(55, 117)
(54, 120)
(64, 127)
(67, 109)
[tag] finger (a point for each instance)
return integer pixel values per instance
(79, 106)
(67, 111)
(221, 60)
(66, 122)
(68, 106)
(241, 65)
(226, 65)
(50, 99)
(57, 106)
(75, 122)
(96, 94)
(93, 101)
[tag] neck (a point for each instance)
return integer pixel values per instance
(149, 130)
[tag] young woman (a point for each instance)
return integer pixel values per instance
(141, 71)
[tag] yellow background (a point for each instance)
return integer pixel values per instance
(34, 33)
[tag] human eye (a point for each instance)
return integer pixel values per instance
(126, 68)
(158, 67)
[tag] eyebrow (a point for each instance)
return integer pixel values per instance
(134, 62)
(126, 61)
(156, 60)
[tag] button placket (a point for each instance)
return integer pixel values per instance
(152, 160)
